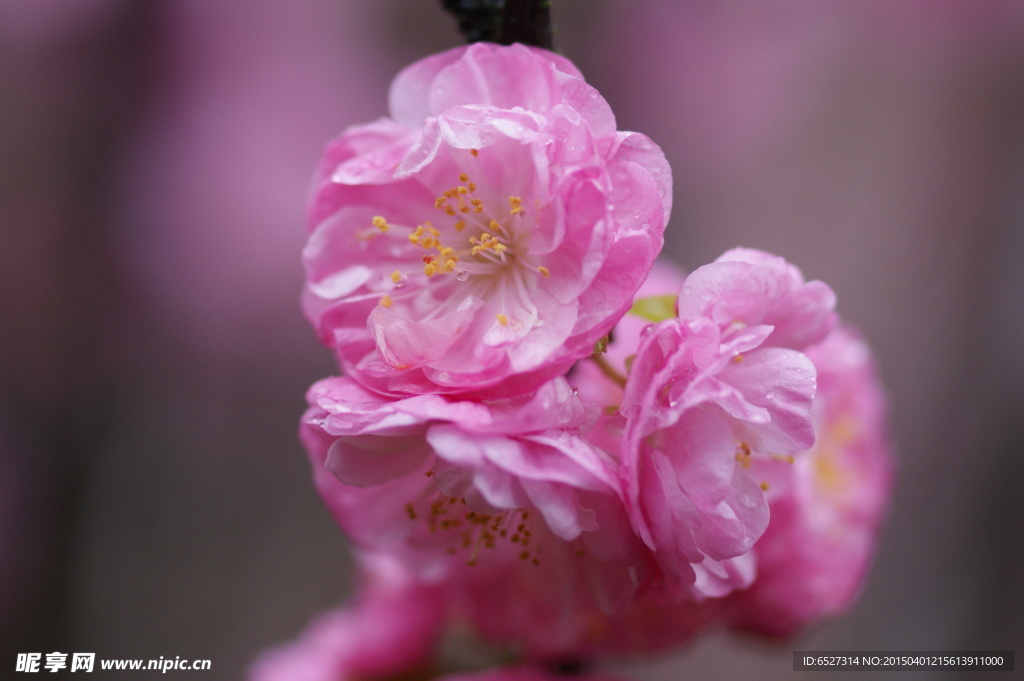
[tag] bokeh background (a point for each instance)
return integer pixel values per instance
(154, 162)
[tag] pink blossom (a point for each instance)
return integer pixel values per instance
(442, 480)
(709, 392)
(829, 505)
(390, 630)
(483, 238)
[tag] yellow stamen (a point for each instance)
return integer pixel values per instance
(460, 225)
(463, 177)
(386, 301)
(764, 486)
(515, 203)
(380, 223)
(397, 276)
(544, 270)
(502, 319)
(475, 152)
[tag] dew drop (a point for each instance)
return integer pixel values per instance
(401, 280)
(687, 290)
(575, 391)
(770, 395)
(462, 275)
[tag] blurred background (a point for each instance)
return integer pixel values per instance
(154, 163)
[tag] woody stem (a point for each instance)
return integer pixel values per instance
(503, 21)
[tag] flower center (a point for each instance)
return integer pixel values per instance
(473, 237)
(471, 532)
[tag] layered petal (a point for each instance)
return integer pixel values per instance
(481, 240)
(746, 287)
(827, 507)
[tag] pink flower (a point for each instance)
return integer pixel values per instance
(445, 481)
(502, 504)
(829, 505)
(483, 238)
(390, 631)
(709, 392)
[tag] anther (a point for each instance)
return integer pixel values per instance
(380, 223)
(502, 319)
(385, 301)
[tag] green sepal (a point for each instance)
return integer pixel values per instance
(654, 308)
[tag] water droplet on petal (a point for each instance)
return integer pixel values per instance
(462, 275)
(770, 395)
(575, 391)
(687, 290)
(401, 280)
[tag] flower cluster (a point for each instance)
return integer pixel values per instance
(542, 434)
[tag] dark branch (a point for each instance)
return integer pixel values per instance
(503, 21)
